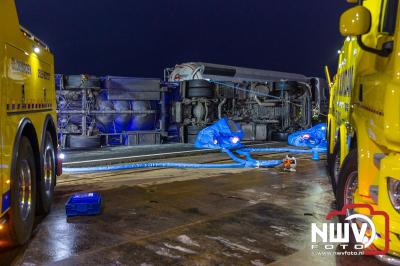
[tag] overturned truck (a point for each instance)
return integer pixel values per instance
(102, 111)
(268, 105)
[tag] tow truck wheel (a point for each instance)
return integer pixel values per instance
(23, 194)
(334, 167)
(348, 182)
(48, 181)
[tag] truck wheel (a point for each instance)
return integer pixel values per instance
(334, 167)
(200, 88)
(23, 194)
(348, 182)
(84, 142)
(48, 181)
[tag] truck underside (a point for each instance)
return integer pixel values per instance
(267, 104)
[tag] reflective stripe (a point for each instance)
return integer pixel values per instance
(30, 106)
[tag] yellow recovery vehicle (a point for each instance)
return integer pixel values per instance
(28, 136)
(364, 116)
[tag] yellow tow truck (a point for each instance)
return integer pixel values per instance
(28, 137)
(364, 117)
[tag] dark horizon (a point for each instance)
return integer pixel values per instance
(141, 38)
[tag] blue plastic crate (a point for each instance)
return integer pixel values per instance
(83, 204)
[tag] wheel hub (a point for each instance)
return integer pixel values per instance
(48, 170)
(25, 190)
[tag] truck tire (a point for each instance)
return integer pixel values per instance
(334, 167)
(348, 181)
(23, 198)
(47, 182)
(279, 136)
(80, 142)
(200, 88)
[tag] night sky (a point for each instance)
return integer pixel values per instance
(142, 37)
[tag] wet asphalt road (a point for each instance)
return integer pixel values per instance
(188, 217)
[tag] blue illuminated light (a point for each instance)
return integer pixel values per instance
(6, 198)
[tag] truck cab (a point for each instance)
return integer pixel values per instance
(364, 116)
(28, 143)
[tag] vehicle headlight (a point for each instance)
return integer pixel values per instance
(394, 192)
